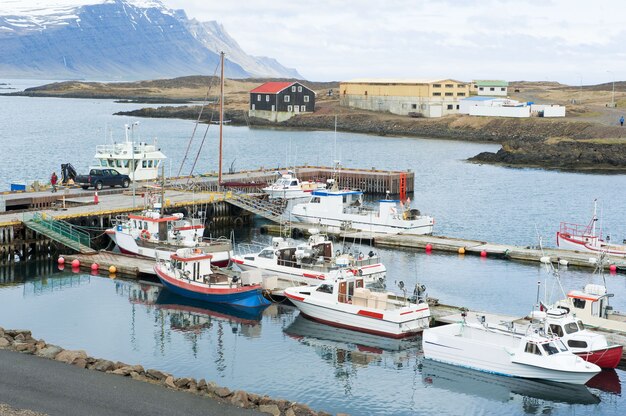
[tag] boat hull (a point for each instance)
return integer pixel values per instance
(570, 242)
(128, 245)
(244, 296)
(423, 226)
(605, 358)
(356, 318)
(495, 357)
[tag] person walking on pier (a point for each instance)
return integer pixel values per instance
(621, 121)
(53, 181)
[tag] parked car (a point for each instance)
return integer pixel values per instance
(99, 178)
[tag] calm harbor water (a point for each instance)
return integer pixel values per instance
(278, 353)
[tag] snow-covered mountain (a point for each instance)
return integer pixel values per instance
(117, 39)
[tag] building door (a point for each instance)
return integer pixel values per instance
(253, 106)
(296, 108)
(342, 292)
(273, 107)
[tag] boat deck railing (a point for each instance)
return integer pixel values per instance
(578, 229)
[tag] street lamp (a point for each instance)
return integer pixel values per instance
(613, 95)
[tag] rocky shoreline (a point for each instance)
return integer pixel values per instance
(21, 340)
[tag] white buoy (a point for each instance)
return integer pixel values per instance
(563, 262)
(545, 260)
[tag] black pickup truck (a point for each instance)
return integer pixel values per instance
(98, 178)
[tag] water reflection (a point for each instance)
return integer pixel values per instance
(537, 396)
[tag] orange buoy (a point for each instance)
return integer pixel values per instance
(61, 260)
(483, 253)
(112, 269)
(461, 250)
(75, 263)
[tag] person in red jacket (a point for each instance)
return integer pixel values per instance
(53, 181)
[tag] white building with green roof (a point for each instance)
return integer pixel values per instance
(493, 88)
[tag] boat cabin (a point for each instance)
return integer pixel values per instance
(542, 346)
(192, 264)
(346, 290)
(592, 301)
(148, 225)
(336, 201)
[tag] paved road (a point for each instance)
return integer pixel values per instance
(59, 389)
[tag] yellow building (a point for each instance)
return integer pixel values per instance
(416, 97)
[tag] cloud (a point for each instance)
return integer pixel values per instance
(465, 39)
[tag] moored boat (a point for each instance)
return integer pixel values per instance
(500, 350)
(152, 234)
(587, 238)
(188, 273)
(288, 186)
(310, 262)
(346, 303)
(345, 209)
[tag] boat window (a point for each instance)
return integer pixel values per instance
(571, 327)
(579, 303)
(149, 163)
(532, 348)
(581, 326)
(315, 200)
(325, 289)
(103, 162)
(550, 348)
(268, 254)
(559, 343)
(294, 183)
(145, 225)
(144, 163)
(126, 163)
(576, 344)
(556, 330)
(111, 163)
(118, 163)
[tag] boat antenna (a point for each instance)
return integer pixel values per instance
(219, 176)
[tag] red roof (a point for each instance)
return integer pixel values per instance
(272, 87)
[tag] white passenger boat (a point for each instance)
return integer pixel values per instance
(139, 160)
(310, 262)
(345, 209)
(152, 234)
(497, 349)
(346, 303)
(587, 238)
(288, 186)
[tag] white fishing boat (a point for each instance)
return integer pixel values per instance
(500, 350)
(139, 160)
(152, 234)
(345, 209)
(587, 238)
(288, 186)
(346, 303)
(309, 262)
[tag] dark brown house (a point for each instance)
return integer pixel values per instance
(279, 101)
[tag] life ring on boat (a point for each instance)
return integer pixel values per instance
(197, 251)
(360, 272)
(145, 235)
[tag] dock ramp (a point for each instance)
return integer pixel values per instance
(60, 231)
(270, 210)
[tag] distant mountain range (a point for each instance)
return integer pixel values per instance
(118, 39)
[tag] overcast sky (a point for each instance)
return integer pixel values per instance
(555, 40)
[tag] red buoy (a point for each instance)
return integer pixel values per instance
(94, 267)
(61, 260)
(613, 268)
(429, 247)
(483, 253)
(75, 263)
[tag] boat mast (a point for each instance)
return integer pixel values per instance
(594, 220)
(219, 176)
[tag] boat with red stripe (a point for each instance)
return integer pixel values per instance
(188, 273)
(346, 303)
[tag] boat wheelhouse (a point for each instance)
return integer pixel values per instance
(288, 186)
(345, 209)
(139, 160)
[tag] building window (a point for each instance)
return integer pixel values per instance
(365, 92)
(306, 98)
(450, 107)
(290, 108)
(303, 108)
(449, 85)
(286, 98)
(267, 98)
(436, 85)
(414, 106)
(481, 89)
(458, 107)
(460, 85)
(460, 94)
(299, 88)
(436, 94)
(449, 94)
(502, 89)
(492, 89)
(258, 97)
